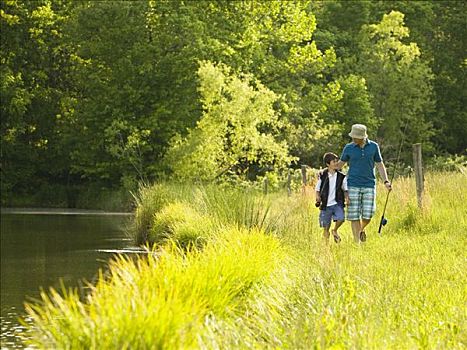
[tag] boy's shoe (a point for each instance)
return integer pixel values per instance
(337, 238)
(363, 236)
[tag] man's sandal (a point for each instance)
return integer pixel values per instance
(363, 236)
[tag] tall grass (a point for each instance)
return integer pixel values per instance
(149, 200)
(161, 209)
(247, 288)
(161, 301)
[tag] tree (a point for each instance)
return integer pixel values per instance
(399, 81)
(237, 134)
(34, 88)
(449, 67)
(438, 28)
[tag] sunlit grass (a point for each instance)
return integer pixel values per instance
(162, 300)
(264, 278)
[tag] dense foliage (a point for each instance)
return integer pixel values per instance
(105, 94)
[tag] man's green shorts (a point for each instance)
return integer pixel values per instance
(362, 203)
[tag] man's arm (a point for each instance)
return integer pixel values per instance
(384, 175)
(346, 191)
(340, 164)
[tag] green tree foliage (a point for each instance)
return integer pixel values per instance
(338, 27)
(356, 104)
(270, 40)
(93, 92)
(450, 66)
(438, 28)
(114, 125)
(237, 134)
(144, 88)
(398, 79)
(339, 23)
(34, 89)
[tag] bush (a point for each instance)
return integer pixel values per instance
(448, 163)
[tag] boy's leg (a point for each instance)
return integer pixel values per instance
(325, 221)
(337, 224)
(326, 233)
(338, 216)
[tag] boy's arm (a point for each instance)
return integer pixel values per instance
(317, 193)
(346, 191)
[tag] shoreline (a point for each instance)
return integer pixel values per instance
(61, 211)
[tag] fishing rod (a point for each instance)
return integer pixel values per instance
(383, 220)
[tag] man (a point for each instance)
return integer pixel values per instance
(362, 154)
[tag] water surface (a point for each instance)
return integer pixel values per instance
(40, 248)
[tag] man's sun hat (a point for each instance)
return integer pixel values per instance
(358, 131)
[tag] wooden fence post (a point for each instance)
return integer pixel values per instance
(303, 179)
(304, 175)
(417, 161)
(265, 185)
(289, 183)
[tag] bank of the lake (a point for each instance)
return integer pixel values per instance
(90, 197)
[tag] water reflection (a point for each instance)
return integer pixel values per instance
(39, 250)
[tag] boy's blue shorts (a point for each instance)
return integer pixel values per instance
(334, 212)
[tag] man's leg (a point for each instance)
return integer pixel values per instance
(368, 209)
(356, 229)
(364, 224)
(354, 212)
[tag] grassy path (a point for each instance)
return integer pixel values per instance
(241, 272)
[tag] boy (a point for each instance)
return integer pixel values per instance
(331, 192)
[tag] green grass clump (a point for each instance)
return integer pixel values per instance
(158, 207)
(161, 301)
(244, 209)
(149, 200)
(180, 223)
(394, 292)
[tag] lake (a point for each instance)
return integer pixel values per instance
(40, 248)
